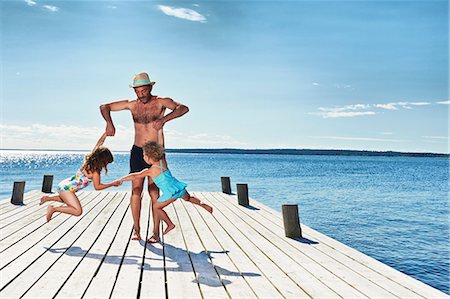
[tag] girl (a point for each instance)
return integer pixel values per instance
(94, 163)
(170, 186)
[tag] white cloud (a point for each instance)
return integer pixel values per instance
(30, 2)
(436, 137)
(316, 84)
(388, 106)
(347, 111)
(63, 137)
(443, 102)
(336, 114)
(342, 85)
(183, 13)
(51, 8)
(111, 6)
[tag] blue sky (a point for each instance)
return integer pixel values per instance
(367, 75)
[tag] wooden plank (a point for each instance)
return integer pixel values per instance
(79, 252)
(250, 244)
(332, 273)
(39, 228)
(30, 201)
(396, 278)
(314, 280)
(103, 282)
(127, 284)
(153, 277)
(230, 276)
(211, 285)
(25, 224)
(28, 197)
(55, 229)
(181, 279)
(24, 271)
(260, 284)
(276, 227)
(25, 214)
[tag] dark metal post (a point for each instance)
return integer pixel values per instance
(242, 192)
(47, 183)
(291, 221)
(226, 185)
(17, 194)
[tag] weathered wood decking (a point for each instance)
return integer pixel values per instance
(237, 252)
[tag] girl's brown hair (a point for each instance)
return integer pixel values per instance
(153, 150)
(98, 160)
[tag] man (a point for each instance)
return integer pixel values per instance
(149, 117)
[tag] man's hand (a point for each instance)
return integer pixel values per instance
(110, 129)
(158, 124)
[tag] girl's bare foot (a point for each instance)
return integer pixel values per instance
(153, 239)
(206, 207)
(50, 211)
(136, 235)
(43, 199)
(168, 228)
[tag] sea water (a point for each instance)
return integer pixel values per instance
(395, 209)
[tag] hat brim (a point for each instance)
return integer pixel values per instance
(139, 85)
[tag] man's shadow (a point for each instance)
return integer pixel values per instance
(183, 260)
(109, 259)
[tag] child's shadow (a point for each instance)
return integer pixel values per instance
(181, 257)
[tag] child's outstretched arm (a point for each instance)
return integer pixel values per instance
(100, 141)
(99, 186)
(137, 175)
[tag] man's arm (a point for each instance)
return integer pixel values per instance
(105, 110)
(177, 111)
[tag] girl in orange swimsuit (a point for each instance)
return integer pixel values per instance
(94, 163)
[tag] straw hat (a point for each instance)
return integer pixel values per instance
(141, 80)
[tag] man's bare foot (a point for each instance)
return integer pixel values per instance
(153, 239)
(136, 235)
(50, 211)
(43, 199)
(207, 207)
(168, 229)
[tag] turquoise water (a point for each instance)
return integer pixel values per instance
(393, 209)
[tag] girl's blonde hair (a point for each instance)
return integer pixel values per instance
(98, 160)
(153, 150)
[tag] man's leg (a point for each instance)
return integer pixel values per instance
(135, 202)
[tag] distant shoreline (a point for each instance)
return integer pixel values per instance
(296, 152)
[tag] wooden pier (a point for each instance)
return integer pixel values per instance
(236, 252)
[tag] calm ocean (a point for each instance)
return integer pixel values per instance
(395, 209)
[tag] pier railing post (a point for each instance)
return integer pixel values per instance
(226, 185)
(47, 183)
(291, 221)
(242, 193)
(17, 194)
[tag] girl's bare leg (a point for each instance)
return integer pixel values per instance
(51, 197)
(161, 215)
(196, 201)
(73, 206)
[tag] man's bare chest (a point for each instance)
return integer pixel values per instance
(146, 113)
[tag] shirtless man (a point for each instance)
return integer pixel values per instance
(149, 117)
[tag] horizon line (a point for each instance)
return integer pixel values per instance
(241, 149)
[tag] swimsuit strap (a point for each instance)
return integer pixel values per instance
(160, 166)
